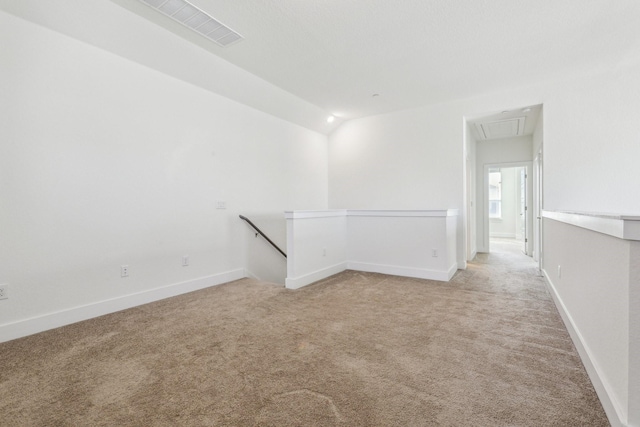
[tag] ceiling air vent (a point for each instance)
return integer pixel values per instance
(196, 19)
(501, 128)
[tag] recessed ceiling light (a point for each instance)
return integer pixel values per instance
(505, 111)
(330, 119)
(375, 94)
(526, 110)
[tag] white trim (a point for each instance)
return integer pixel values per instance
(248, 273)
(314, 214)
(528, 164)
(23, 328)
(394, 270)
(503, 235)
(419, 273)
(621, 226)
(376, 213)
(307, 279)
(611, 406)
(454, 269)
(404, 213)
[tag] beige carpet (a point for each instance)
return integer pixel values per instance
(357, 349)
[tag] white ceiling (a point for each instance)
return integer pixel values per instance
(335, 54)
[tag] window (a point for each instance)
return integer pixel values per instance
(495, 194)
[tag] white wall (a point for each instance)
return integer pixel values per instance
(384, 242)
(538, 165)
(414, 159)
(519, 214)
(410, 159)
(634, 335)
(323, 243)
(181, 53)
(471, 192)
(590, 145)
(538, 135)
(316, 246)
(105, 162)
(263, 261)
(505, 150)
(593, 287)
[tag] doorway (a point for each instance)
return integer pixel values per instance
(503, 139)
(508, 207)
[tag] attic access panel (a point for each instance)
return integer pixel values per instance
(501, 128)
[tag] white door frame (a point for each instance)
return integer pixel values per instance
(471, 244)
(538, 163)
(485, 198)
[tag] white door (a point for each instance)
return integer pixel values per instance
(523, 208)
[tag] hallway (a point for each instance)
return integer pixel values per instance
(509, 251)
(506, 270)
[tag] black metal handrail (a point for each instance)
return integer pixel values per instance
(258, 231)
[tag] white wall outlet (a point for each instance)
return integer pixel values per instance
(124, 271)
(434, 253)
(4, 291)
(185, 260)
(221, 204)
(559, 272)
(324, 251)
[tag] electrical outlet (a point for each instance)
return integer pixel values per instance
(4, 291)
(124, 271)
(185, 260)
(434, 253)
(221, 204)
(324, 251)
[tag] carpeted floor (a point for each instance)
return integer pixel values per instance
(357, 349)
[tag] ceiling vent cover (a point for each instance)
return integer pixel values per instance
(501, 128)
(195, 19)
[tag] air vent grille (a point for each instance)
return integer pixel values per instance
(195, 19)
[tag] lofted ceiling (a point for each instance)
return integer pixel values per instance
(335, 55)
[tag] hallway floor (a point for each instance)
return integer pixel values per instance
(487, 348)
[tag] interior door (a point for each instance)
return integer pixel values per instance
(523, 208)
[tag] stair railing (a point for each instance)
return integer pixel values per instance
(258, 231)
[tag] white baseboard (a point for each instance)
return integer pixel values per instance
(23, 328)
(248, 273)
(420, 273)
(298, 282)
(453, 269)
(394, 270)
(503, 235)
(611, 406)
